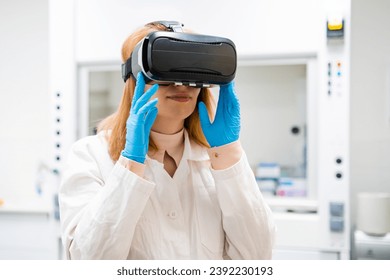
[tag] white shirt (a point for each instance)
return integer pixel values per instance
(109, 212)
(170, 143)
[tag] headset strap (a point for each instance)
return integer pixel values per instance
(126, 69)
(172, 26)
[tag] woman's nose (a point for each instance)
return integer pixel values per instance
(181, 87)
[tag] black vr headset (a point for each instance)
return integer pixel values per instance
(174, 57)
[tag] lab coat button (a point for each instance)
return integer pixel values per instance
(172, 215)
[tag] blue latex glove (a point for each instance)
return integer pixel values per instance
(226, 126)
(142, 116)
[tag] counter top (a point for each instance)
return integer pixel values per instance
(25, 204)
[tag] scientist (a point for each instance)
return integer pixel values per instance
(161, 181)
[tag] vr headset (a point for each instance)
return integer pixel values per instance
(174, 57)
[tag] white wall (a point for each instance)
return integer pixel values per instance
(255, 26)
(24, 102)
(370, 97)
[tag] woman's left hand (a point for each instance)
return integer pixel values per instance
(225, 128)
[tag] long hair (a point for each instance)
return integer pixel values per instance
(116, 123)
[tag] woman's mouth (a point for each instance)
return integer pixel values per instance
(180, 98)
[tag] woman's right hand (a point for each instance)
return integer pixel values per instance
(142, 116)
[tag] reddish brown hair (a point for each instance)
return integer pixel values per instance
(116, 123)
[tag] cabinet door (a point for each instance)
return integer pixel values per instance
(28, 236)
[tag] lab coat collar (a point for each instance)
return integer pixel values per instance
(193, 151)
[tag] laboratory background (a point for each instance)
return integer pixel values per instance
(313, 79)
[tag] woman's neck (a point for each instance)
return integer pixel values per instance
(167, 126)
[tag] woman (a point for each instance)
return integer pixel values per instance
(148, 185)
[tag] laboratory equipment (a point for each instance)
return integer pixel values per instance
(370, 247)
(373, 215)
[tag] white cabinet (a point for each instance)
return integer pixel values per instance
(29, 236)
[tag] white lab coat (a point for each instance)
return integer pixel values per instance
(109, 212)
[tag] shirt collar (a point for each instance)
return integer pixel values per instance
(193, 151)
(171, 143)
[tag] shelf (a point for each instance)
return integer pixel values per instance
(275, 59)
(292, 204)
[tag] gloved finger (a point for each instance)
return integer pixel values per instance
(229, 96)
(228, 85)
(227, 90)
(150, 118)
(145, 98)
(221, 100)
(139, 88)
(148, 106)
(203, 115)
